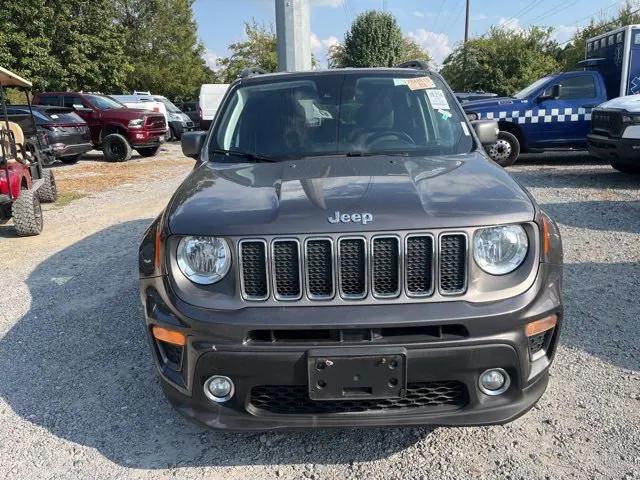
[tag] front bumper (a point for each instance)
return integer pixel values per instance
(488, 336)
(180, 127)
(146, 138)
(619, 150)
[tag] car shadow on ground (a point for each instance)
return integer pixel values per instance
(78, 364)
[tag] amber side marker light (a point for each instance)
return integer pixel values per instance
(169, 336)
(542, 325)
(546, 236)
(158, 249)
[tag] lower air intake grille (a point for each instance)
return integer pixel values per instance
(453, 254)
(254, 269)
(294, 399)
(286, 264)
(539, 341)
(353, 279)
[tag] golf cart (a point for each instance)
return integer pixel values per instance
(24, 182)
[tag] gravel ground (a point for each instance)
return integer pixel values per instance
(79, 397)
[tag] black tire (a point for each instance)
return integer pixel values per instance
(116, 148)
(48, 193)
(27, 214)
(148, 151)
(626, 168)
(70, 160)
(172, 134)
(506, 150)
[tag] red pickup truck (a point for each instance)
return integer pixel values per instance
(115, 129)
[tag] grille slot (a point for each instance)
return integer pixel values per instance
(352, 267)
(419, 265)
(319, 268)
(385, 267)
(286, 269)
(453, 264)
(253, 258)
(294, 399)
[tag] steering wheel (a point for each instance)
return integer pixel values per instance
(375, 138)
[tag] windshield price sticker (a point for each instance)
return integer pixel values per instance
(446, 114)
(465, 129)
(399, 81)
(438, 100)
(419, 83)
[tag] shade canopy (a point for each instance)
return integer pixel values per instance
(10, 79)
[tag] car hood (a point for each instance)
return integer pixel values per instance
(494, 102)
(126, 113)
(299, 197)
(630, 103)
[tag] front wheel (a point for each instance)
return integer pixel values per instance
(626, 168)
(27, 214)
(148, 151)
(48, 192)
(116, 148)
(506, 150)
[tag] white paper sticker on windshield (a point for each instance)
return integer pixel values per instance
(437, 99)
(465, 129)
(419, 83)
(446, 114)
(399, 81)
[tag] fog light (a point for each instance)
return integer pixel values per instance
(494, 381)
(218, 388)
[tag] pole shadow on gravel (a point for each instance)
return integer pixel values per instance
(78, 365)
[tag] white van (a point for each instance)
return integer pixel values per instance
(210, 98)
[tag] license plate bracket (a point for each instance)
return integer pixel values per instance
(353, 375)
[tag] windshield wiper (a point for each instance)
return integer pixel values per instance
(360, 153)
(248, 155)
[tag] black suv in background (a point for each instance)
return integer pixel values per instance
(345, 253)
(67, 134)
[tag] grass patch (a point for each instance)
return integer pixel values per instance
(65, 198)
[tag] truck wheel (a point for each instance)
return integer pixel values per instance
(148, 151)
(70, 160)
(116, 148)
(506, 150)
(48, 193)
(27, 214)
(626, 168)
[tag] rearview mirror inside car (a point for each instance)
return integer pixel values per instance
(486, 130)
(192, 143)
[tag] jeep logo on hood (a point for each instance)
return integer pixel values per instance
(363, 218)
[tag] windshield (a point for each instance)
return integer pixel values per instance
(171, 108)
(104, 103)
(343, 114)
(525, 92)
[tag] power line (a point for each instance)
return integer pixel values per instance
(612, 22)
(435, 24)
(523, 11)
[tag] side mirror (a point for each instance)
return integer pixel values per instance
(556, 92)
(192, 143)
(486, 130)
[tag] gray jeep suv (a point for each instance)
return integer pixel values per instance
(345, 253)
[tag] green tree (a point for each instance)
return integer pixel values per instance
(502, 61)
(374, 40)
(162, 43)
(573, 52)
(258, 50)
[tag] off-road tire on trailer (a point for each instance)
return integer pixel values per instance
(48, 192)
(506, 150)
(70, 160)
(116, 148)
(27, 214)
(626, 168)
(148, 151)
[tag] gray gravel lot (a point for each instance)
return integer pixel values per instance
(79, 397)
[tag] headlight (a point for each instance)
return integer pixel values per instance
(472, 116)
(204, 260)
(631, 118)
(176, 117)
(500, 250)
(137, 123)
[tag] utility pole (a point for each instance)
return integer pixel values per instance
(293, 35)
(466, 24)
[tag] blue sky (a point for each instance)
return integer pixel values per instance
(435, 25)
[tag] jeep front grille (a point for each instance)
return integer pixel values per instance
(353, 267)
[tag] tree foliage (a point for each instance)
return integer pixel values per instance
(573, 52)
(258, 50)
(502, 61)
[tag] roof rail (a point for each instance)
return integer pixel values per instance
(251, 72)
(415, 64)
